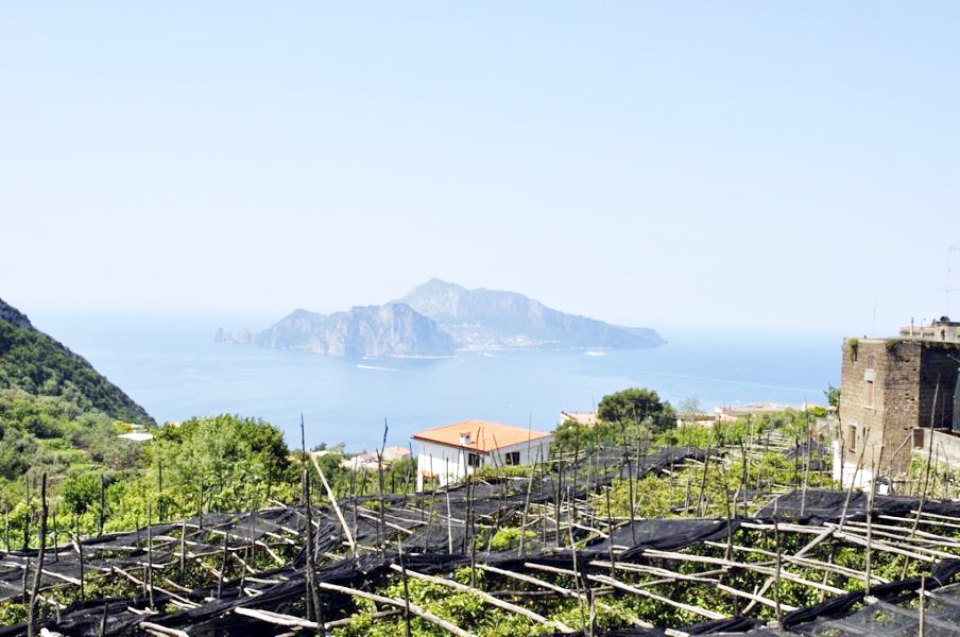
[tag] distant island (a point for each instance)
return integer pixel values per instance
(439, 318)
(363, 332)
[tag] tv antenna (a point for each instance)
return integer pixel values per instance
(948, 289)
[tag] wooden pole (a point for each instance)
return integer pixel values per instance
(776, 577)
(399, 603)
(103, 505)
(521, 552)
(406, 590)
(183, 550)
(56, 548)
(921, 629)
(313, 594)
(381, 524)
(490, 599)
(336, 507)
(149, 577)
(701, 504)
(32, 612)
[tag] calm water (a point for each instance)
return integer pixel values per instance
(171, 366)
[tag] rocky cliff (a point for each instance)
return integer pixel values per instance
(373, 331)
(482, 319)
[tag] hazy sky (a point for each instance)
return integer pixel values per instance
(658, 163)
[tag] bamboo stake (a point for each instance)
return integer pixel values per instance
(776, 577)
(521, 552)
(223, 568)
(806, 467)
(406, 590)
(312, 593)
(183, 550)
(32, 612)
(921, 628)
(149, 577)
(869, 556)
(277, 619)
(381, 526)
(709, 614)
(490, 599)
(530, 580)
(336, 507)
(399, 603)
(701, 504)
(163, 630)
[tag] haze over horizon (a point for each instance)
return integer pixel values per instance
(733, 164)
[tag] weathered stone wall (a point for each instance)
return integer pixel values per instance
(940, 364)
(901, 364)
(906, 374)
(855, 414)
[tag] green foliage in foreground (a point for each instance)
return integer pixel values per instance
(222, 463)
(52, 435)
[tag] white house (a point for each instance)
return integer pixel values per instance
(452, 452)
(584, 419)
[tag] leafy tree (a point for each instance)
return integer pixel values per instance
(690, 406)
(833, 395)
(233, 460)
(80, 491)
(637, 405)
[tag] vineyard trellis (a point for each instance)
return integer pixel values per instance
(567, 547)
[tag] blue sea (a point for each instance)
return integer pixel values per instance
(170, 365)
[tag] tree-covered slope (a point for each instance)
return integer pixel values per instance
(33, 362)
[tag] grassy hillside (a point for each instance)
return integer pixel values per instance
(57, 414)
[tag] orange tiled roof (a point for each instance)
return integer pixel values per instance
(484, 436)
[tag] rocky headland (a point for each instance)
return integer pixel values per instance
(362, 332)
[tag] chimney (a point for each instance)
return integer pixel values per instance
(464, 438)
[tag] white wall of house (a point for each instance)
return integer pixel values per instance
(525, 453)
(452, 464)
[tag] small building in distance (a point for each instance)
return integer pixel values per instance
(896, 395)
(394, 453)
(450, 453)
(582, 418)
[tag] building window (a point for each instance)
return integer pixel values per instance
(868, 395)
(852, 438)
(871, 362)
(512, 458)
(473, 459)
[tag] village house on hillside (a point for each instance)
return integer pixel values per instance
(897, 395)
(582, 418)
(448, 454)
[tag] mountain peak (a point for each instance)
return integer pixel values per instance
(435, 286)
(483, 319)
(11, 314)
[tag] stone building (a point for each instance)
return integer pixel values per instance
(894, 389)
